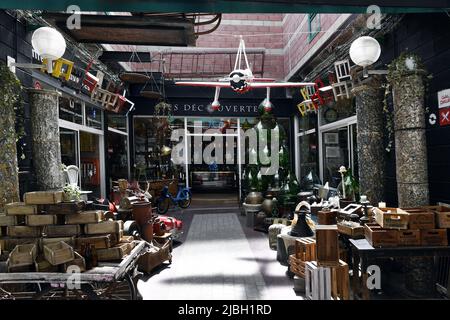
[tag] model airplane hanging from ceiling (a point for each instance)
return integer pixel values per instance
(242, 80)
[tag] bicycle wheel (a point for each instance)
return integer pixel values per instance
(119, 290)
(57, 293)
(163, 206)
(186, 202)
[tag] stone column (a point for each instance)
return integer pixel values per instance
(47, 164)
(370, 132)
(9, 177)
(409, 127)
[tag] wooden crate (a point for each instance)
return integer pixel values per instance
(391, 218)
(65, 208)
(379, 237)
(352, 229)
(409, 237)
(8, 244)
(68, 230)
(39, 220)
(340, 282)
(326, 217)
(44, 241)
(22, 255)
(42, 265)
(317, 281)
(327, 245)
(6, 221)
(420, 218)
(58, 253)
(43, 197)
(20, 208)
(433, 237)
(78, 261)
(104, 227)
(127, 239)
(99, 242)
(114, 253)
(24, 232)
(442, 216)
(94, 216)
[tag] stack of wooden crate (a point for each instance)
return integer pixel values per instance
(45, 234)
(422, 226)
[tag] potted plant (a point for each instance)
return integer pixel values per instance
(348, 189)
(71, 193)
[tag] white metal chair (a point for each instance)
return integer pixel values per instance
(341, 89)
(71, 174)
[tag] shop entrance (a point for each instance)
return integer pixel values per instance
(214, 166)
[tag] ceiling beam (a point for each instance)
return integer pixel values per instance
(125, 56)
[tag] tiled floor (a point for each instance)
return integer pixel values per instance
(219, 259)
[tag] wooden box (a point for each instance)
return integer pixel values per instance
(409, 237)
(43, 197)
(79, 262)
(433, 237)
(442, 216)
(8, 244)
(6, 221)
(114, 253)
(20, 208)
(99, 242)
(391, 218)
(379, 237)
(22, 255)
(65, 207)
(24, 232)
(44, 241)
(58, 253)
(104, 227)
(39, 220)
(327, 217)
(153, 257)
(94, 216)
(327, 245)
(420, 218)
(68, 230)
(352, 229)
(42, 265)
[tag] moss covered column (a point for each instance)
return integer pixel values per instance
(370, 132)
(406, 76)
(9, 177)
(46, 140)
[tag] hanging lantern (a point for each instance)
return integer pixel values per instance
(365, 51)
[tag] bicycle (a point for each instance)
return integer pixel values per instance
(182, 200)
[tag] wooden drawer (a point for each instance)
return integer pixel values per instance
(379, 237)
(85, 217)
(43, 197)
(58, 253)
(68, 230)
(39, 220)
(433, 237)
(391, 218)
(104, 227)
(420, 218)
(409, 237)
(20, 208)
(8, 244)
(24, 232)
(44, 241)
(351, 229)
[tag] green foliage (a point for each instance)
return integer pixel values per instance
(72, 192)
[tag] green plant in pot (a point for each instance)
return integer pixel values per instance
(71, 193)
(348, 189)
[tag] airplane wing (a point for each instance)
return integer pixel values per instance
(280, 84)
(203, 84)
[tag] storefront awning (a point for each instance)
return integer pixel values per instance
(237, 6)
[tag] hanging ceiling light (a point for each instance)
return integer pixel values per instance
(49, 44)
(365, 51)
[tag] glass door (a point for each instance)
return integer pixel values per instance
(90, 163)
(69, 147)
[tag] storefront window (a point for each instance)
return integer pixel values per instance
(309, 166)
(94, 117)
(69, 147)
(308, 122)
(118, 122)
(70, 110)
(337, 110)
(335, 151)
(90, 163)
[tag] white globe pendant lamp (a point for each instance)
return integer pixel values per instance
(365, 51)
(49, 44)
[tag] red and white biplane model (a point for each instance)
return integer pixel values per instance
(242, 80)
